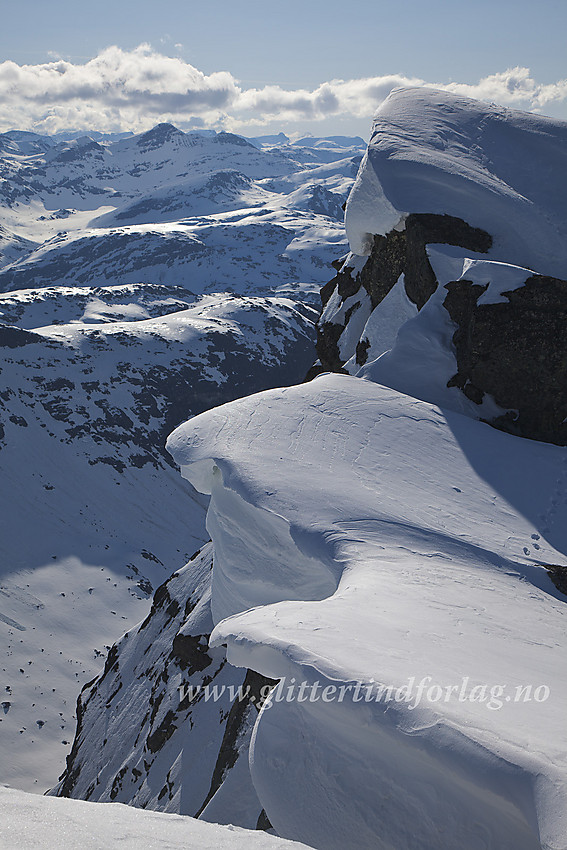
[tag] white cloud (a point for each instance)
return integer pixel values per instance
(514, 87)
(120, 89)
(115, 88)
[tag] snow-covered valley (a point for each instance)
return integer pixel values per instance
(384, 591)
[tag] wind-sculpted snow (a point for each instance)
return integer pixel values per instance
(143, 279)
(164, 757)
(495, 168)
(413, 543)
(167, 725)
(455, 288)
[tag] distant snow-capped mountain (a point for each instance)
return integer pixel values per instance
(174, 208)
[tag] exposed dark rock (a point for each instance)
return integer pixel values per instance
(11, 337)
(263, 821)
(385, 264)
(328, 333)
(558, 575)
(191, 651)
(163, 733)
(254, 691)
(516, 352)
(399, 252)
(405, 252)
(316, 369)
(328, 347)
(346, 283)
(362, 351)
(425, 229)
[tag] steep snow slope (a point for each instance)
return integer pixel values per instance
(43, 823)
(389, 561)
(363, 536)
(107, 246)
(149, 735)
(93, 380)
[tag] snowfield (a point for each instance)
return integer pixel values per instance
(211, 213)
(363, 536)
(394, 564)
(43, 823)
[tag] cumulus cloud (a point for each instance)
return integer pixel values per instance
(514, 87)
(358, 98)
(121, 89)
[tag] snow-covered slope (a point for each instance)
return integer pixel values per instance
(185, 753)
(107, 246)
(362, 536)
(397, 568)
(93, 380)
(43, 823)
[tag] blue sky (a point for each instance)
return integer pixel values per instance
(300, 48)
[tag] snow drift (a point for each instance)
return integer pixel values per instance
(498, 169)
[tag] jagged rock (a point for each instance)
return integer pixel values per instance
(558, 575)
(510, 349)
(239, 720)
(517, 352)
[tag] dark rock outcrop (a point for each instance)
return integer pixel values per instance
(400, 252)
(513, 350)
(516, 352)
(12, 337)
(254, 689)
(166, 722)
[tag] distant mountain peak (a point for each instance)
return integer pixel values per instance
(159, 135)
(232, 139)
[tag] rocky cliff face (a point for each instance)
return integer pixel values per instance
(517, 352)
(400, 252)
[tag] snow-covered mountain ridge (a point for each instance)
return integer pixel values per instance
(174, 208)
(395, 564)
(422, 564)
